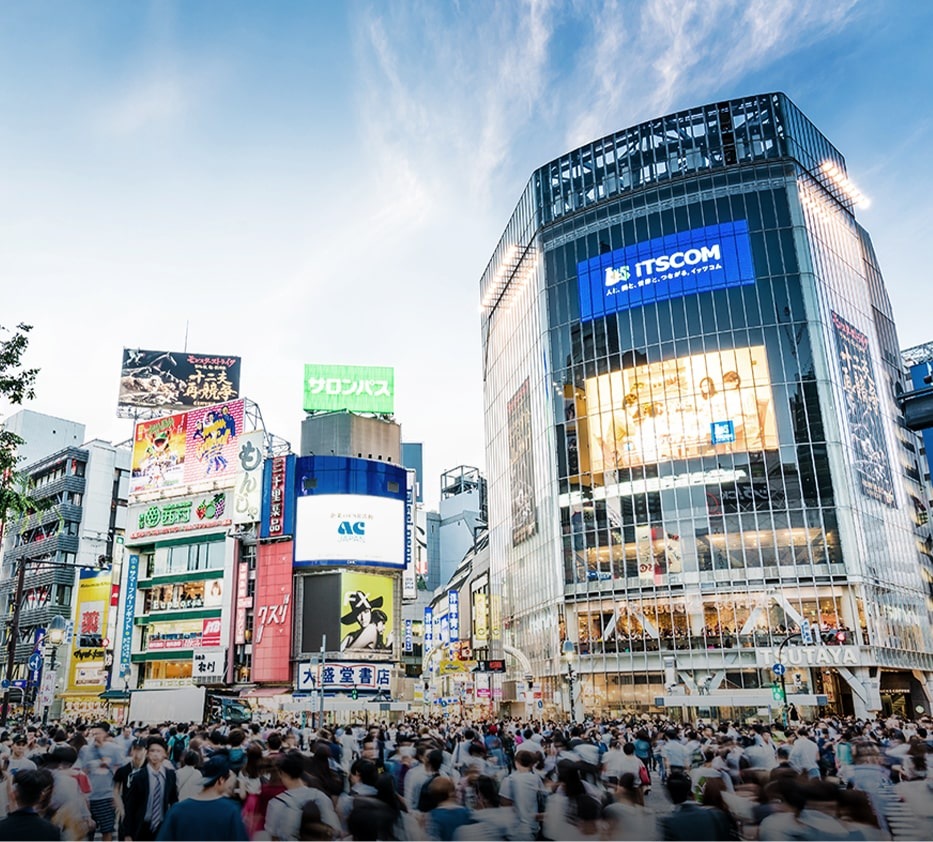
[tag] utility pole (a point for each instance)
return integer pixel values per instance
(320, 684)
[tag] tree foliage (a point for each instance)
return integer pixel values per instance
(17, 384)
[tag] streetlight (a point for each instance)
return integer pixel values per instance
(780, 652)
(567, 650)
(55, 635)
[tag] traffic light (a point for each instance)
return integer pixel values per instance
(354, 694)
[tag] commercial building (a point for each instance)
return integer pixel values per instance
(696, 459)
(61, 560)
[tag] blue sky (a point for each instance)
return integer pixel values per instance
(324, 182)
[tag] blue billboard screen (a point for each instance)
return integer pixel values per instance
(686, 263)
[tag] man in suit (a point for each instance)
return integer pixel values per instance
(150, 794)
(689, 819)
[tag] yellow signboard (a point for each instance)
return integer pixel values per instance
(451, 667)
(87, 673)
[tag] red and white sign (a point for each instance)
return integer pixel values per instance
(210, 633)
(272, 613)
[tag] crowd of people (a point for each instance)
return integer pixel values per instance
(440, 779)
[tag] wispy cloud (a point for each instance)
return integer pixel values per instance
(154, 101)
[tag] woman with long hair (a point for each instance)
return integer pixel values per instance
(248, 787)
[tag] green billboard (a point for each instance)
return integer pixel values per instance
(357, 388)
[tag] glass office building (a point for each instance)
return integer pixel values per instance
(694, 450)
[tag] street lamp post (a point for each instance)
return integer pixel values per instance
(568, 652)
(780, 652)
(55, 636)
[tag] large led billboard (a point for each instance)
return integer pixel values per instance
(187, 447)
(350, 529)
(357, 388)
(682, 408)
(863, 410)
(175, 380)
(349, 612)
(686, 263)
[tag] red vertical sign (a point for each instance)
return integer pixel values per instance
(272, 612)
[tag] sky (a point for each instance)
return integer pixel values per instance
(298, 182)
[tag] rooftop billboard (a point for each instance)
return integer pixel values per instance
(355, 388)
(167, 380)
(187, 447)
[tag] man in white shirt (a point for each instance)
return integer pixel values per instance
(18, 758)
(805, 755)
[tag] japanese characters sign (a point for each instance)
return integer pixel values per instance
(278, 499)
(686, 263)
(863, 411)
(330, 388)
(521, 467)
(175, 380)
(87, 670)
(190, 514)
(344, 675)
(208, 667)
(247, 495)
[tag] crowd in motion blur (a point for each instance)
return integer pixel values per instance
(446, 779)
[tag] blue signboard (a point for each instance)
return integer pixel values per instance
(722, 432)
(453, 615)
(428, 633)
(129, 610)
(698, 260)
(918, 375)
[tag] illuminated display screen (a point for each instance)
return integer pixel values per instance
(700, 405)
(686, 263)
(350, 529)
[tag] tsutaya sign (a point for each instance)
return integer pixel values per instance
(811, 656)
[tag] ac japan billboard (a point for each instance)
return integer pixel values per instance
(187, 447)
(166, 380)
(357, 388)
(350, 512)
(686, 263)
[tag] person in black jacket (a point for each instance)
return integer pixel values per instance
(689, 819)
(30, 787)
(150, 794)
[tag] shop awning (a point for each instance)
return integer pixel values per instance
(115, 696)
(265, 692)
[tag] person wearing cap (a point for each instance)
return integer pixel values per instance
(150, 794)
(18, 758)
(211, 814)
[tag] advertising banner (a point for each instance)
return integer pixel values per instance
(355, 388)
(866, 426)
(521, 466)
(187, 447)
(189, 514)
(247, 494)
(159, 453)
(350, 529)
(208, 667)
(278, 498)
(409, 583)
(213, 441)
(480, 617)
(175, 380)
(428, 628)
(344, 675)
(367, 613)
(272, 613)
(453, 615)
(129, 612)
(87, 671)
(687, 263)
(682, 408)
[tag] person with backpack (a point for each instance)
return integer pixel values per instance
(178, 740)
(283, 815)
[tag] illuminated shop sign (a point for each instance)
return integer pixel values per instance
(332, 388)
(681, 408)
(699, 260)
(129, 611)
(187, 515)
(428, 628)
(453, 615)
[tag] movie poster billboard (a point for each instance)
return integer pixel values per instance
(212, 442)
(159, 453)
(87, 672)
(681, 408)
(168, 380)
(866, 426)
(521, 466)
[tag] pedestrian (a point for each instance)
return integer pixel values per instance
(150, 794)
(689, 820)
(30, 788)
(99, 759)
(209, 815)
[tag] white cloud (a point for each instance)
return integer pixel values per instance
(154, 101)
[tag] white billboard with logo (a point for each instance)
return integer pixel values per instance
(349, 529)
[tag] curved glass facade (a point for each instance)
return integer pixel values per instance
(693, 446)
